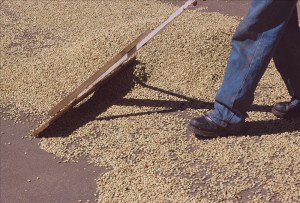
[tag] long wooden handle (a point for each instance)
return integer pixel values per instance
(105, 72)
(165, 23)
(117, 60)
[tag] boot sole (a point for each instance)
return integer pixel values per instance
(234, 130)
(203, 133)
(279, 114)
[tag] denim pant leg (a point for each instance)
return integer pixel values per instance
(253, 45)
(287, 57)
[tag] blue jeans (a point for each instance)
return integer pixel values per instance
(270, 30)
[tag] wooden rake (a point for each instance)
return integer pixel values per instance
(109, 70)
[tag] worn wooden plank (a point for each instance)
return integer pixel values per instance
(117, 60)
(107, 71)
(78, 99)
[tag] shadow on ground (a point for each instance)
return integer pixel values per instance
(113, 92)
(99, 102)
(266, 127)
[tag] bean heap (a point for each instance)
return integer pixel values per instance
(135, 125)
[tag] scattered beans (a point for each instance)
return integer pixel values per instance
(48, 48)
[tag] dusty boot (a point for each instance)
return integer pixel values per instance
(287, 109)
(204, 127)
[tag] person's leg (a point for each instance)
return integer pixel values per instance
(287, 56)
(287, 62)
(253, 45)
